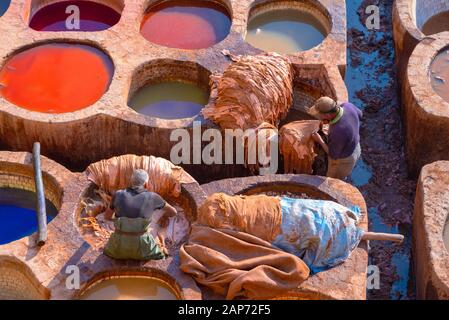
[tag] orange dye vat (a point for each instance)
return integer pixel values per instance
(56, 78)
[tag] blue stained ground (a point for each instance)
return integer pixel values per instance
(4, 5)
(17, 223)
(366, 74)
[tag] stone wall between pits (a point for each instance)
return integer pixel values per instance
(426, 114)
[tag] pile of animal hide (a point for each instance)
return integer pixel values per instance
(297, 146)
(114, 174)
(321, 232)
(258, 215)
(238, 243)
(236, 264)
(254, 92)
(257, 146)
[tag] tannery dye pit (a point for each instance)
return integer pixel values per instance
(186, 24)
(130, 288)
(56, 17)
(56, 78)
(436, 24)
(285, 31)
(170, 100)
(439, 74)
(4, 6)
(18, 214)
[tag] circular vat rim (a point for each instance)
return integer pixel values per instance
(321, 14)
(332, 189)
(305, 185)
(420, 24)
(17, 166)
(405, 12)
(226, 4)
(145, 272)
(33, 6)
(144, 75)
(418, 76)
(22, 268)
(84, 113)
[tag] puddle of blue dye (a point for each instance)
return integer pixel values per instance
(17, 223)
(402, 264)
(377, 225)
(4, 5)
(400, 260)
(361, 174)
(360, 77)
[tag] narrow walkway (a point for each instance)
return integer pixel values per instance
(381, 176)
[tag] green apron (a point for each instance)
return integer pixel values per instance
(131, 240)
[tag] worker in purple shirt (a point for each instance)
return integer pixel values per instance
(343, 149)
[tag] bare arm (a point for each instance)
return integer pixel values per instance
(317, 138)
(109, 213)
(170, 211)
(167, 211)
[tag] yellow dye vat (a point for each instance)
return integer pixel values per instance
(130, 288)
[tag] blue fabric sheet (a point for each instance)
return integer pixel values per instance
(322, 233)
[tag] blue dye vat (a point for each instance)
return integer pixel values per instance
(17, 223)
(4, 5)
(18, 217)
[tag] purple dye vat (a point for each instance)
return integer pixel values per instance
(93, 17)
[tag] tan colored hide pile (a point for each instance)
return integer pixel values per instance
(297, 146)
(259, 215)
(115, 174)
(236, 264)
(254, 92)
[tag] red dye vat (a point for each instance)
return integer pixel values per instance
(56, 78)
(58, 17)
(186, 24)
